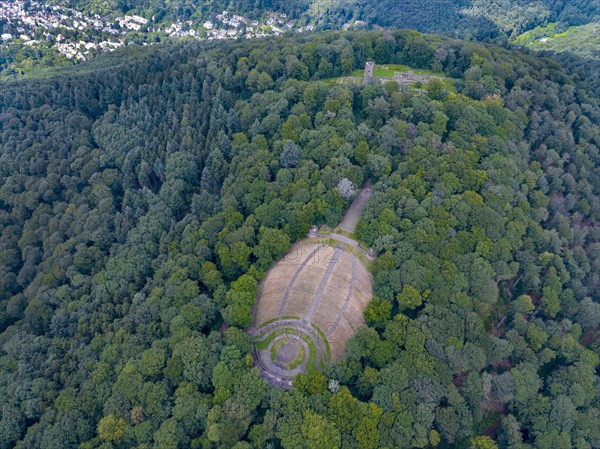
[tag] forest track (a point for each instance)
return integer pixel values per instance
(356, 209)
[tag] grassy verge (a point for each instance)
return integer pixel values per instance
(273, 320)
(348, 248)
(297, 361)
(350, 235)
(324, 338)
(311, 364)
(324, 241)
(359, 255)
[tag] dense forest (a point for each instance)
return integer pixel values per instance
(143, 196)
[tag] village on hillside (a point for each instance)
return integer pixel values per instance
(78, 36)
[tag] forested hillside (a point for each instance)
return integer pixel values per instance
(37, 35)
(141, 202)
(583, 40)
(478, 18)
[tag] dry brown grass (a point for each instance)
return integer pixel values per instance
(302, 293)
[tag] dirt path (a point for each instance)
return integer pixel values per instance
(492, 430)
(293, 280)
(315, 302)
(589, 337)
(355, 210)
(346, 301)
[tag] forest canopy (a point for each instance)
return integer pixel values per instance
(142, 202)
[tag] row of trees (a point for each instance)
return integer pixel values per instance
(141, 204)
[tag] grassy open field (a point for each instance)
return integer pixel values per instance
(387, 71)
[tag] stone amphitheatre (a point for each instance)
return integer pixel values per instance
(312, 301)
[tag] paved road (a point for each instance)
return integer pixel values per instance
(343, 239)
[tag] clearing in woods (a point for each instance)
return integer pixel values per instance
(311, 302)
(388, 70)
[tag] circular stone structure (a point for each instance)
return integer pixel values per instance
(308, 306)
(287, 351)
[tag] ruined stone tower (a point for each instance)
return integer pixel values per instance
(369, 72)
